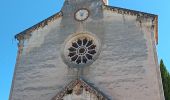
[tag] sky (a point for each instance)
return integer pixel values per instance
(18, 15)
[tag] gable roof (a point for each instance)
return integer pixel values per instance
(26, 33)
(83, 84)
(41, 24)
(139, 14)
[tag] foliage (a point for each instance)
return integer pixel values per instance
(165, 80)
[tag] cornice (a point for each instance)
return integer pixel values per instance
(26, 33)
(138, 14)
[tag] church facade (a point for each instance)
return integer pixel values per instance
(89, 51)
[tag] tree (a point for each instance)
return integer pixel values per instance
(165, 80)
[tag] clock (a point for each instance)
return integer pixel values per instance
(81, 14)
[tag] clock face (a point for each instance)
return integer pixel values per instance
(82, 14)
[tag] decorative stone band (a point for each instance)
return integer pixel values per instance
(80, 49)
(77, 87)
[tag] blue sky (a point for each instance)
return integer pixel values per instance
(18, 15)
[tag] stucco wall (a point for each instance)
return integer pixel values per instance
(126, 68)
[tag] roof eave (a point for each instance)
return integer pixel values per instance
(137, 13)
(26, 33)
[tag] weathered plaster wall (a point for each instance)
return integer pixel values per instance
(40, 71)
(126, 69)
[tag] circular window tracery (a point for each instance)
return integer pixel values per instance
(82, 50)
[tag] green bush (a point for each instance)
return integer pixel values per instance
(165, 80)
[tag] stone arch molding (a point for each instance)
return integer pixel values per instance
(79, 89)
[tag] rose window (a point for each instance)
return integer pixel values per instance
(82, 50)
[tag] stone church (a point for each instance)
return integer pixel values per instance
(89, 51)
